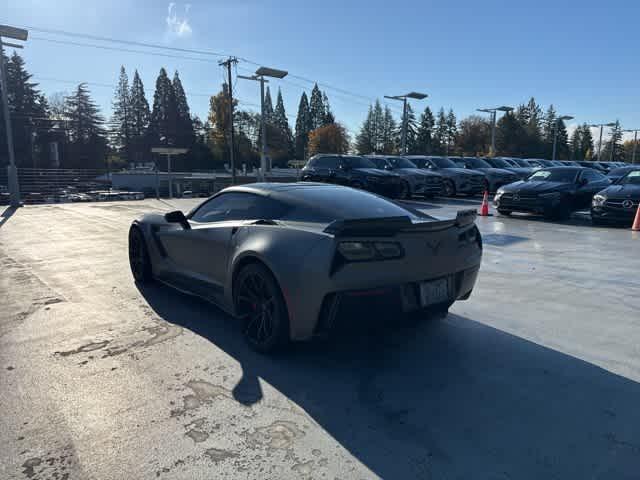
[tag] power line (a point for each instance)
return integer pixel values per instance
(118, 49)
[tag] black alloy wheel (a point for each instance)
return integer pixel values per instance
(139, 256)
(259, 303)
(449, 188)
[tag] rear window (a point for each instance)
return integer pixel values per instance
(326, 204)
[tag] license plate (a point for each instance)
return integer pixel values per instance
(434, 291)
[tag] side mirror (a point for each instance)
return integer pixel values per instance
(177, 217)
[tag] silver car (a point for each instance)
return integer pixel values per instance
(292, 260)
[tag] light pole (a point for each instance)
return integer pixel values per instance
(493, 112)
(259, 77)
(601, 125)
(403, 99)
(635, 143)
(12, 172)
(555, 133)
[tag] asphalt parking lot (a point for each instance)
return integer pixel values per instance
(536, 376)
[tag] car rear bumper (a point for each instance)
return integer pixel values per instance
(348, 309)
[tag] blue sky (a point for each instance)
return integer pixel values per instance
(579, 55)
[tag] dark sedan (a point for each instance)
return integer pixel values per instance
(617, 203)
(495, 177)
(617, 173)
(352, 171)
(553, 192)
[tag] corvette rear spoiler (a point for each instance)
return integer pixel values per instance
(389, 226)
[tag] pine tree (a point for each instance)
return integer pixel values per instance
(121, 118)
(533, 129)
(366, 138)
(268, 107)
(88, 144)
(575, 145)
(613, 151)
(163, 123)
(282, 124)
(587, 142)
(329, 118)
(185, 136)
(562, 141)
(452, 130)
(316, 108)
(140, 115)
(28, 112)
(510, 135)
(424, 136)
(440, 138)
(412, 131)
(548, 131)
(303, 127)
(218, 120)
(388, 132)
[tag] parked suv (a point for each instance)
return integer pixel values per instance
(457, 180)
(416, 181)
(495, 177)
(352, 171)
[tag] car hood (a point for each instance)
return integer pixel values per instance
(460, 171)
(622, 192)
(417, 172)
(376, 172)
(496, 172)
(537, 187)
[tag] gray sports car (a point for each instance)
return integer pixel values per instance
(291, 260)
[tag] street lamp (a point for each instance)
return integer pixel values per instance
(555, 134)
(259, 77)
(493, 112)
(16, 34)
(635, 142)
(601, 125)
(403, 99)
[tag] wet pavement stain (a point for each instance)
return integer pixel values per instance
(30, 465)
(305, 468)
(89, 347)
(280, 435)
(217, 455)
(197, 436)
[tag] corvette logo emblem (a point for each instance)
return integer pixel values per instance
(627, 204)
(435, 246)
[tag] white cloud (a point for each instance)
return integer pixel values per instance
(177, 25)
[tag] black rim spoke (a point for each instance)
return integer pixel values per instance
(256, 305)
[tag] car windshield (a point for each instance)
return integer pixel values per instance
(631, 178)
(500, 163)
(402, 163)
(359, 162)
(618, 172)
(563, 175)
(476, 163)
(442, 162)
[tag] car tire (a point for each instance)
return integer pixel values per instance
(560, 212)
(405, 191)
(139, 259)
(258, 300)
(504, 212)
(449, 189)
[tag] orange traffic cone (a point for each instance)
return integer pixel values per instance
(636, 223)
(484, 208)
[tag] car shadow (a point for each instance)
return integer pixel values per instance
(7, 214)
(453, 398)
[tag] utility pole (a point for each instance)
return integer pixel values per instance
(403, 99)
(227, 63)
(555, 133)
(601, 125)
(259, 77)
(12, 171)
